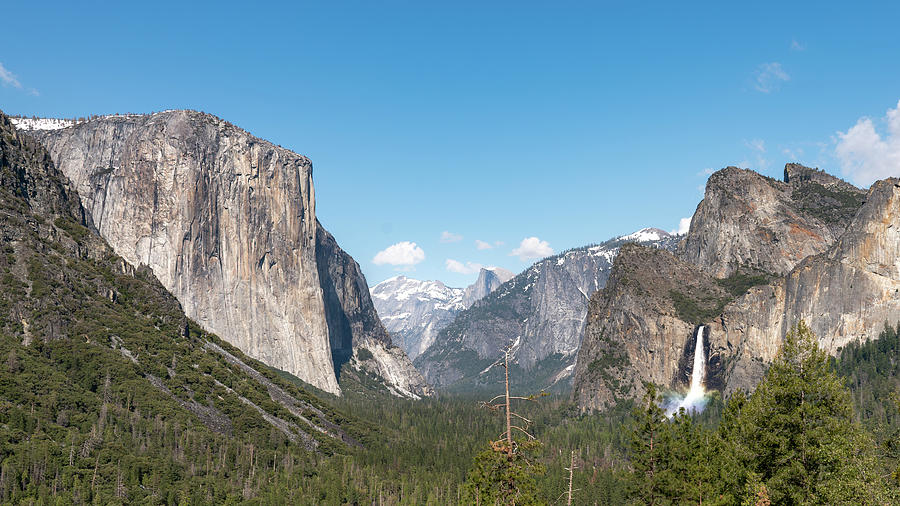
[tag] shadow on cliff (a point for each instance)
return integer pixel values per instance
(715, 371)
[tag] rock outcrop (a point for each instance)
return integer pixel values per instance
(641, 325)
(64, 286)
(845, 294)
(749, 221)
(354, 325)
(227, 223)
(761, 255)
(489, 279)
(540, 312)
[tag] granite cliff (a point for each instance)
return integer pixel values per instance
(227, 223)
(88, 330)
(845, 294)
(760, 256)
(747, 220)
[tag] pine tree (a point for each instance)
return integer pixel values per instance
(651, 479)
(799, 430)
(505, 473)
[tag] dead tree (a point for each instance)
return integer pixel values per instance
(505, 443)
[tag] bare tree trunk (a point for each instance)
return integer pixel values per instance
(509, 449)
(571, 473)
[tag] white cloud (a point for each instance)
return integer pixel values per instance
(759, 148)
(796, 46)
(8, 78)
(462, 268)
(531, 248)
(865, 155)
(684, 224)
(483, 245)
(757, 144)
(450, 237)
(769, 77)
(403, 254)
(793, 153)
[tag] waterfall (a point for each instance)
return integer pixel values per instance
(695, 399)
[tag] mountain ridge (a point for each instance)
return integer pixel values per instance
(542, 309)
(416, 310)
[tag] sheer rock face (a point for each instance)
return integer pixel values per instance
(488, 281)
(353, 323)
(634, 333)
(845, 294)
(845, 289)
(227, 223)
(749, 220)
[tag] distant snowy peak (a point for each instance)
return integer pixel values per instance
(402, 288)
(543, 310)
(414, 311)
(646, 235)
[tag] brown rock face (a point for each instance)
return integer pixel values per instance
(844, 294)
(642, 324)
(227, 223)
(750, 221)
(838, 251)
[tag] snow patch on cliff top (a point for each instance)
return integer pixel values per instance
(41, 123)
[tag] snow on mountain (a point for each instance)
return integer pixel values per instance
(544, 308)
(414, 311)
(41, 123)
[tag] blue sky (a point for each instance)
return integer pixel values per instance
(558, 124)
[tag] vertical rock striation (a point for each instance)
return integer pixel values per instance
(747, 220)
(844, 294)
(354, 324)
(227, 223)
(541, 312)
(640, 326)
(760, 256)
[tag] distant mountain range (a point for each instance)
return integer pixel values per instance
(414, 311)
(541, 312)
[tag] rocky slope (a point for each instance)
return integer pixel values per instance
(640, 326)
(415, 311)
(835, 246)
(227, 223)
(354, 328)
(541, 312)
(747, 220)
